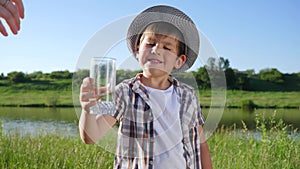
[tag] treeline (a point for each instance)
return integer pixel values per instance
(20, 77)
(268, 79)
(216, 70)
(56, 80)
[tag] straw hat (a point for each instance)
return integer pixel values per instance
(163, 13)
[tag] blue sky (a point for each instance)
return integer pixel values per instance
(252, 34)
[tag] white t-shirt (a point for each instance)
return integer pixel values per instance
(168, 149)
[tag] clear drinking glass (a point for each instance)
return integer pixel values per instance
(103, 72)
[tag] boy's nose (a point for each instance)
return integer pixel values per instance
(155, 50)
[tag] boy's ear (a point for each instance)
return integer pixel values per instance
(137, 47)
(180, 61)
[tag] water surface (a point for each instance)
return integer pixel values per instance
(65, 121)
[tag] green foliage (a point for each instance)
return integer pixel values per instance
(248, 104)
(78, 77)
(206, 77)
(271, 75)
(17, 77)
(230, 78)
(243, 82)
(52, 100)
(2, 76)
(202, 78)
(1, 128)
(51, 151)
(272, 145)
(60, 75)
(217, 64)
(261, 99)
(37, 75)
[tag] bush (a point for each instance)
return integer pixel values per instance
(248, 104)
(17, 77)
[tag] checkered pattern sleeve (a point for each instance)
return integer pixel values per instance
(120, 100)
(199, 118)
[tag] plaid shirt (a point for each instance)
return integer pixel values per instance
(136, 134)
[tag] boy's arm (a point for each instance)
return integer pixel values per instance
(93, 127)
(204, 150)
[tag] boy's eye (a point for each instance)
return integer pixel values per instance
(166, 48)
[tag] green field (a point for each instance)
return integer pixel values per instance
(63, 98)
(236, 99)
(51, 93)
(230, 148)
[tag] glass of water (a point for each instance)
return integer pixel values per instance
(103, 72)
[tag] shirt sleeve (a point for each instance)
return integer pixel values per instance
(199, 118)
(119, 101)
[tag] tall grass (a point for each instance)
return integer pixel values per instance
(51, 151)
(272, 145)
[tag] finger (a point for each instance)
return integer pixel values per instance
(84, 96)
(87, 82)
(103, 89)
(3, 30)
(14, 12)
(86, 106)
(20, 7)
(85, 88)
(87, 96)
(4, 13)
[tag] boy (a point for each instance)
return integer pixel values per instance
(160, 117)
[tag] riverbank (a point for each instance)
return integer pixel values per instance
(234, 99)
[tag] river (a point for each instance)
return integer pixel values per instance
(64, 120)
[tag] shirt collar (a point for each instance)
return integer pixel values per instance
(136, 83)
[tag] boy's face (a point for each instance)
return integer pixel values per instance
(158, 54)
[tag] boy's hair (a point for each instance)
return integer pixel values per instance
(164, 29)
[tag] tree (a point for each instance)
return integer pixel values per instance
(60, 75)
(230, 78)
(78, 77)
(223, 64)
(202, 78)
(271, 75)
(17, 77)
(217, 64)
(250, 72)
(36, 75)
(242, 81)
(2, 76)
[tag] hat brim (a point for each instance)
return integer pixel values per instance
(170, 15)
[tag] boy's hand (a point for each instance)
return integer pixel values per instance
(87, 94)
(90, 94)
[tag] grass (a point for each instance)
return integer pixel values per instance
(236, 98)
(272, 145)
(58, 93)
(33, 98)
(269, 146)
(51, 151)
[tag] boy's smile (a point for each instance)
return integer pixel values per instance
(154, 61)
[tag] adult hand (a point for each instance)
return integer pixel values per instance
(11, 11)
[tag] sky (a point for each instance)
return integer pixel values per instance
(251, 34)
